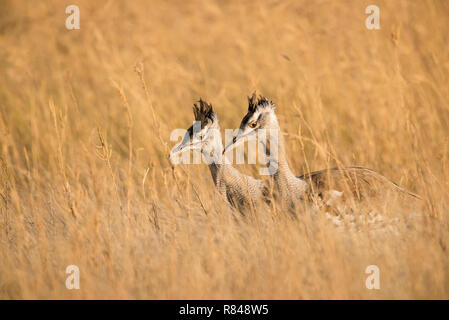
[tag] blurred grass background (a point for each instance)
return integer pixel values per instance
(85, 121)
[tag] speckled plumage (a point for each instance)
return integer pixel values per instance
(326, 187)
(240, 191)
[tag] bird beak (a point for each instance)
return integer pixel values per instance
(176, 149)
(237, 140)
(185, 144)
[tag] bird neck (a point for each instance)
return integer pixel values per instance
(283, 177)
(280, 160)
(217, 162)
(276, 156)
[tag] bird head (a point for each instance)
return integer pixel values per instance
(260, 115)
(203, 130)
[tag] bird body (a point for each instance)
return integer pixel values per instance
(329, 187)
(241, 191)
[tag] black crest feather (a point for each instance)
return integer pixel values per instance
(203, 112)
(254, 103)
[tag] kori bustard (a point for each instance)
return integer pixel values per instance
(241, 191)
(335, 185)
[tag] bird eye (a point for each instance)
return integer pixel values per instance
(252, 124)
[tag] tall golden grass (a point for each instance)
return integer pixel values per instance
(85, 121)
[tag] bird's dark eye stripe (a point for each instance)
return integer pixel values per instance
(245, 120)
(190, 132)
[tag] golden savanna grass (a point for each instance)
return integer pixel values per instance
(85, 123)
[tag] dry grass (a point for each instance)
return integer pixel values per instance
(84, 140)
